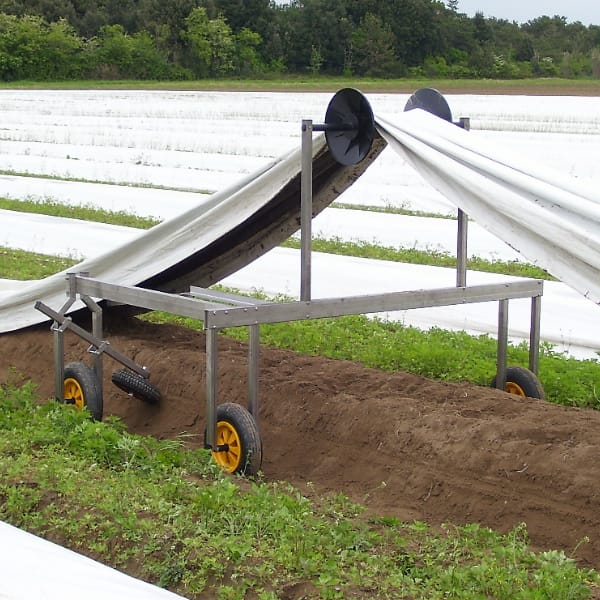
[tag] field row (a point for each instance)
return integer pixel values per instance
(76, 146)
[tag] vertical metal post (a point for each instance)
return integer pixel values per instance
(59, 362)
(253, 361)
(463, 220)
(306, 211)
(534, 334)
(502, 344)
(211, 387)
(97, 356)
(59, 340)
(461, 249)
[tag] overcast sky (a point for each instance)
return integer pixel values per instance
(586, 11)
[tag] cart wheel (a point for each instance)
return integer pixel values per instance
(522, 382)
(81, 388)
(237, 430)
(136, 385)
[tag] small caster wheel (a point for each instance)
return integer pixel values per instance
(237, 433)
(136, 385)
(522, 382)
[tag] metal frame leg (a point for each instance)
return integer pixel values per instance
(502, 344)
(534, 334)
(97, 355)
(253, 369)
(211, 387)
(59, 361)
(461, 249)
(306, 211)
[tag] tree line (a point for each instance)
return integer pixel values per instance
(192, 39)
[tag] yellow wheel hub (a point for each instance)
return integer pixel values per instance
(73, 393)
(228, 460)
(514, 388)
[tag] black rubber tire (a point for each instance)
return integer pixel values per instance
(137, 386)
(522, 382)
(82, 388)
(237, 428)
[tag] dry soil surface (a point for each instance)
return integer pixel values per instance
(398, 443)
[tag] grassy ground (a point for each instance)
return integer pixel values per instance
(164, 514)
(544, 86)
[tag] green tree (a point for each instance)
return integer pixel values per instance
(118, 55)
(247, 59)
(211, 43)
(416, 25)
(114, 58)
(30, 48)
(316, 60)
(315, 23)
(64, 51)
(483, 31)
(549, 36)
(241, 14)
(373, 48)
(165, 20)
(11, 60)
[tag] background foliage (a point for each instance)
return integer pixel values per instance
(191, 39)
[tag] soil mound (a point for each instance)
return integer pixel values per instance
(401, 444)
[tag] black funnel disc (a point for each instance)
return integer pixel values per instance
(432, 101)
(350, 126)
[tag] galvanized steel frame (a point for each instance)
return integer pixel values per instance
(218, 310)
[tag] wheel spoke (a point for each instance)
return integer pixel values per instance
(234, 455)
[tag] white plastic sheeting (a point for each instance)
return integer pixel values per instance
(550, 218)
(569, 321)
(159, 248)
(35, 569)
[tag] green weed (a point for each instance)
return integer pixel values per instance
(25, 266)
(85, 212)
(435, 353)
(420, 257)
(163, 513)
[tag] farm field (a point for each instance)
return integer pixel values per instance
(193, 143)
(406, 446)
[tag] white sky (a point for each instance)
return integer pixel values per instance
(586, 11)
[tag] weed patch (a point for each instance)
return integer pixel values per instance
(163, 512)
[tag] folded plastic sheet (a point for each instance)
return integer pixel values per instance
(152, 252)
(35, 569)
(201, 245)
(548, 217)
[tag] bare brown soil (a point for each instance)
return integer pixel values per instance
(401, 444)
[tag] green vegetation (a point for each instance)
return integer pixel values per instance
(390, 210)
(22, 265)
(419, 257)
(164, 514)
(332, 246)
(85, 212)
(79, 179)
(186, 40)
(436, 353)
(309, 83)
